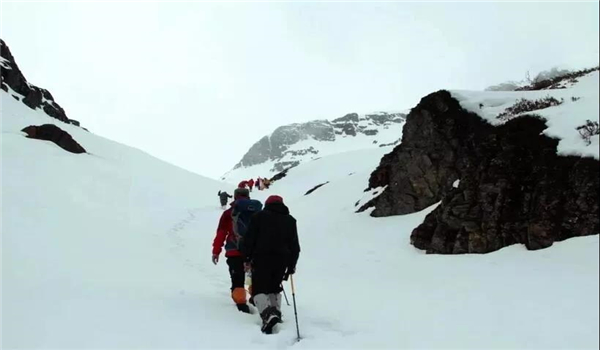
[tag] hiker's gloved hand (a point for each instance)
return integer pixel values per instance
(215, 258)
(288, 272)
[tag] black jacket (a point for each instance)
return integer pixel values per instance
(272, 233)
(223, 196)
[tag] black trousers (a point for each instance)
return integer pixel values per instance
(236, 271)
(267, 274)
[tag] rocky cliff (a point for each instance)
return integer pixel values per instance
(19, 88)
(497, 185)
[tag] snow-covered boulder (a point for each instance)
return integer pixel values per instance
(52, 133)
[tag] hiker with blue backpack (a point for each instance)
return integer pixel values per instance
(233, 225)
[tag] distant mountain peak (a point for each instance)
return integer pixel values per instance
(291, 144)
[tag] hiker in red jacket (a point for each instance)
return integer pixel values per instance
(251, 184)
(243, 184)
(235, 260)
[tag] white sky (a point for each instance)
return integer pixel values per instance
(196, 84)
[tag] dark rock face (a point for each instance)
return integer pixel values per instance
(383, 118)
(32, 96)
(280, 175)
(346, 129)
(350, 117)
(419, 170)
(513, 188)
(51, 132)
(260, 152)
(281, 166)
(277, 145)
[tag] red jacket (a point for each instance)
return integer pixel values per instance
(225, 234)
(243, 184)
(251, 183)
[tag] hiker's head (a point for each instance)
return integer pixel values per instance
(241, 193)
(274, 199)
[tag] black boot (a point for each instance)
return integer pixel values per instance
(270, 319)
(243, 308)
(278, 314)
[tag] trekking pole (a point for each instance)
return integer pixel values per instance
(295, 311)
(285, 295)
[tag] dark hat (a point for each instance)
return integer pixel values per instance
(241, 192)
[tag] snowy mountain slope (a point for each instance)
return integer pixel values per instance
(112, 250)
(580, 102)
(86, 260)
(361, 285)
(401, 298)
(293, 144)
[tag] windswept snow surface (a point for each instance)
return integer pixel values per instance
(112, 250)
(562, 120)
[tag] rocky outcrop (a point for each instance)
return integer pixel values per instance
(278, 146)
(315, 188)
(31, 95)
(498, 185)
(557, 82)
(51, 132)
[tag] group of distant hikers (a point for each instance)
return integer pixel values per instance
(260, 242)
(260, 184)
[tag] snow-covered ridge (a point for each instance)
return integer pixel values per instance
(579, 102)
(95, 244)
(293, 144)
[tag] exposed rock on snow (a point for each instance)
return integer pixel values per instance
(51, 132)
(34, 97)
(514, 187)
(315, 188)
(280, 175)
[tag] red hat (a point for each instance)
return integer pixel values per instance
(274, 199)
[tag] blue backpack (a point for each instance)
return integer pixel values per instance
(243, 209)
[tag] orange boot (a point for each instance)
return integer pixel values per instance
(239, 298)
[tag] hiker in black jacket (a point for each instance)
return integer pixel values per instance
(223, 196)
(271, 250)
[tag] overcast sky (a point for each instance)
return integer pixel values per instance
(196, 84)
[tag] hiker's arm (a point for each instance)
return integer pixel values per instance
(222, 230)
